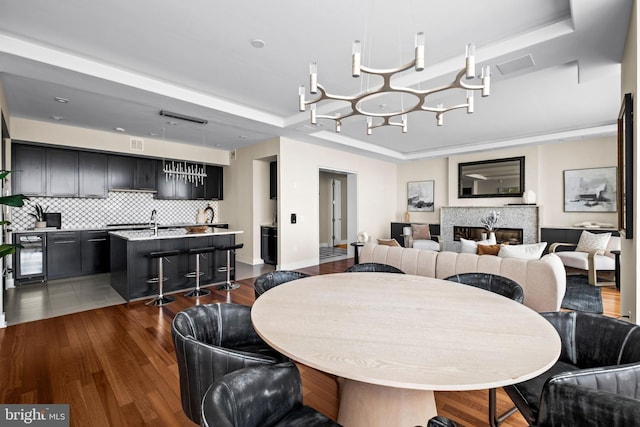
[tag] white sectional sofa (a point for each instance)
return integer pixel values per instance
(543, 280)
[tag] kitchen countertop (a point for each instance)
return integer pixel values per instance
(112, 227)
(172, 233)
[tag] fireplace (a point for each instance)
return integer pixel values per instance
(513, 236)
(519, 222)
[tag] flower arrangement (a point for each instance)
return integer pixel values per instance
(39, 212)
(490, 220)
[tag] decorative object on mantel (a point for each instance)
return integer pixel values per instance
(489, 222)
(529, 197)
(39, 215)
(406, 217)
(590, 190)
(420, 196)
(387, 89)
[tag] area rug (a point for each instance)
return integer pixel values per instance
(581, 296)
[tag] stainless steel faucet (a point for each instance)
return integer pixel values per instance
(154, 222)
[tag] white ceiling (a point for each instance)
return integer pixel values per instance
(120, 62)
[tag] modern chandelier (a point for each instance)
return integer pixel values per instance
(356, 101)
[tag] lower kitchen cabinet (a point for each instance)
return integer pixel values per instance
(269, 245)
(64, 254)
(95, 251)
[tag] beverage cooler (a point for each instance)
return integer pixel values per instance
(29, 261)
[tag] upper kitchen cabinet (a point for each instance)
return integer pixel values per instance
(93, 174)
(146, 174)
(29, 175)
(62, 172)
(214, 183)
(122, 172)
(179, 190)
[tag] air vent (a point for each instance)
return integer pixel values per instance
(136, 144)
(516, 64)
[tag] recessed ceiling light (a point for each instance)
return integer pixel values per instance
(153, 134)
(257, 43)
(242, 137)
(119, 129)
(61, 100)
(57, 118)
(171, 123)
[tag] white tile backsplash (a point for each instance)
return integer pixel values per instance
(118, 208)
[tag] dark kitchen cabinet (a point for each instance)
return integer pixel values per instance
(122, 172)
(93, 174)
(29, 175)
(95, 251)
(214, 183)
(62, 172)
(64, 254)
(146, 175)
(269, 245)
(273, 180)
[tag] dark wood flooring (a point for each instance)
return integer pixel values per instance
(116, 366)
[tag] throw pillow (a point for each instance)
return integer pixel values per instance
(489, 249)
(592, 242)
(530, 251)
(471, 246)
(420, 232)
(388, 242)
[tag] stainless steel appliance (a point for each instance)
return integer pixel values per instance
(30, 259)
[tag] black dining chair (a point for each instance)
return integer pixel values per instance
(210, 341)
(507, 288)
(272, 279)
(373, 267)
(260, 396)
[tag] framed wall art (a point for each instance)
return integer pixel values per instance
(625, 167)
(590, 190)
(420, 196)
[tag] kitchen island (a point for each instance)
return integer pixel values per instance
(130, 268)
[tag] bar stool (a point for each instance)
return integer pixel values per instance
(229, 286)
(198, 252)
(160, 255)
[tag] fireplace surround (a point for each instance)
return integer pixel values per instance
(512, 217)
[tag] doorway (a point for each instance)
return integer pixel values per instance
(337, 214)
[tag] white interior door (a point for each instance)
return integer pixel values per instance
(336, 212)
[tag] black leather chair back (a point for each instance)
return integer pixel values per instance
(491, 282)
(274, 278)
(260, 396)
(210, 341)
(373, 267)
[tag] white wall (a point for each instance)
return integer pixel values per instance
(299, 185)
(57, 134)
(630, 253)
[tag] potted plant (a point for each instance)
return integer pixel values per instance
(15, 200)
(39, 215)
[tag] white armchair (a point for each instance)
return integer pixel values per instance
(592, 253)
(418, 237)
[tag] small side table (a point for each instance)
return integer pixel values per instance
(356, 252)
(617, 258)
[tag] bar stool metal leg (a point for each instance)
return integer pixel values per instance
(160, 299)
(229, 285)
(197, 292)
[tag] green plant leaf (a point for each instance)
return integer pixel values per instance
(6, 249)
(16, 200)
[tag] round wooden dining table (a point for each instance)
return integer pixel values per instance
(394, 339)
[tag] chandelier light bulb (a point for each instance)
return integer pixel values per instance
(486, 81)
(471, 60)
(404, 123)
(469, 102)
(419, 51)
(356, 53)
(314, 119)
(313, 77)
(301, 97)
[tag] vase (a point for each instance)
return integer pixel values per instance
(41, 224)
(492, 236)
(483, 236)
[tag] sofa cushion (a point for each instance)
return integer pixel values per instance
(388, 242)
(527, 251)
(581, 260)
(488, 249)
(471, 246)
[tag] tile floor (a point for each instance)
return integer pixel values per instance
(35, 301)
